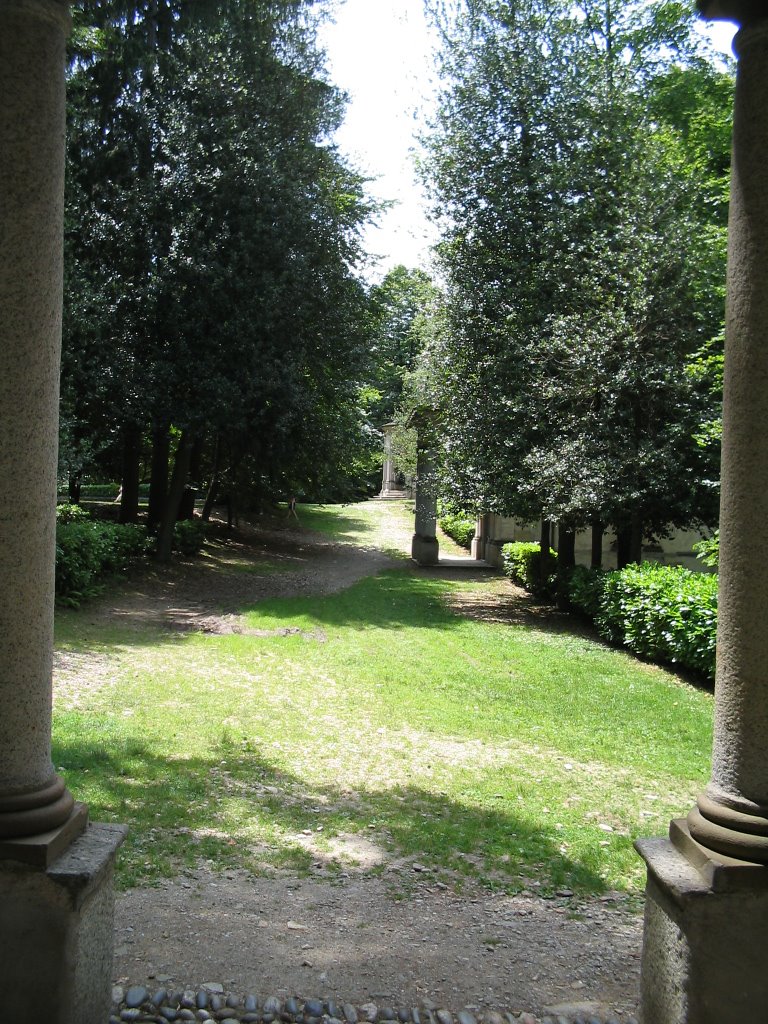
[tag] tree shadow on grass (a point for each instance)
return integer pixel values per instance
(232, 807)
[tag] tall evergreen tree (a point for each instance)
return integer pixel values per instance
(577, 266)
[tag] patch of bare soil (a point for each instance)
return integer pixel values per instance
(261, 559)
(381, 930)
(355, 940)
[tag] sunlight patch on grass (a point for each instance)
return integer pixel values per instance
(386, 525)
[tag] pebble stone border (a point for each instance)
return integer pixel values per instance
(211, 1003)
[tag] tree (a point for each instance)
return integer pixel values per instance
(403, 308)
(221, 248)
(578, 262)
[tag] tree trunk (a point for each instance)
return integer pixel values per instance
(623, 544)
(158, 480)
(566, 559)
(129, 493)
(73, 488)
(636, 540)
(213, 487)
(175, 494)
(545, 542)
(598, 529)
(187, 506)
(629, 543)
(566, 548)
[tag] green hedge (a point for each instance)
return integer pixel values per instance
(87, 550)
(103, 492)
(521, 561)
(663, 612)
(459, 526)
(583, 588)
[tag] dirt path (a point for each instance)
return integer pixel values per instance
(382, 932)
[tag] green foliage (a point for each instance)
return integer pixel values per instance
(213, 246)
(666, 613)
(67, 513)
(458, 525)
(88, 550)
(708, 550)
(584, 268)
(522, 563)
(189, 536)
(106, 492)
(584, 589)
(403, 307)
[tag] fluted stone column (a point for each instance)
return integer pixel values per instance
(56, 922)
(706, 928)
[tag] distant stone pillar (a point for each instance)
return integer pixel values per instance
(707, 897)
(55, 891)
(389, 481)
(424, 547)
(482, 535)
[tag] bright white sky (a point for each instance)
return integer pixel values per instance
(380, 54)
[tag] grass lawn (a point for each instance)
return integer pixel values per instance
(522, 757)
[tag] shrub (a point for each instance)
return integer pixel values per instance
(105, 492)
(583, 589)
(459, 526)
(662, 612)
(189, 536)
(66, 513)
(708, 550)
(86, 550)
(522, 561)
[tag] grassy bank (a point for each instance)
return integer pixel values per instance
(380, 722)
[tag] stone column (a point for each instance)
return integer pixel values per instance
(32, 39)
(707, 896)
(424, 547)
(732, 814)
(388, 483)
(55, 876)
(479, 541)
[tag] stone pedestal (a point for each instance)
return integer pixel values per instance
(704, 943)
(425, 550)
(56, 933)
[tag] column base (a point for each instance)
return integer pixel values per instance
(42, 850)
(477, 548)
(425, 550)
(706, 929)
(56, 932)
